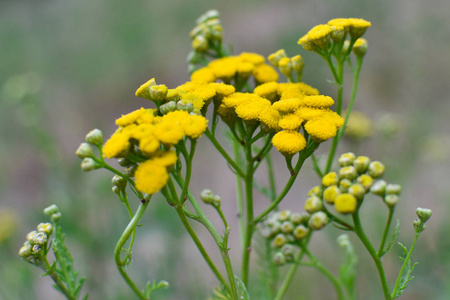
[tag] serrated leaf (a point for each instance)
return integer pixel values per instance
(242, 288)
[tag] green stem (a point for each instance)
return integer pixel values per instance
(222, 151)
(316, 166)
(188, 157)
(405, 263)
(319, 266)
(43, 262)
(120, 245)
(377, 260)
(227, 262)
(386, 231)
(200, 247)
(272, 184)
(240, 202)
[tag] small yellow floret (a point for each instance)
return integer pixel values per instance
(358, 27)
(168, 133)
(151, 177)
(138, 116)
(252, 109)
(342, 22)
(306, 43)
(330, 194)
(345, 203)
(270, 116)
(330, 179)
(265, 73)
(320, 35)
(289, 142)
(320, 129)
(165, 158)
(365, 180)
(194, 126)
(287, 106)
(318, 101)
(253, 58)
(143, 91)
(267, 90)
(290, 122)
(236, 99)
(203, 75)
(117, 145)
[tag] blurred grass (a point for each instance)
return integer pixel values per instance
(70, 66)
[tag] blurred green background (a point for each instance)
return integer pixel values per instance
(67, 67)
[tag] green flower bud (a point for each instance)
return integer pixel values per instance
(361, 163)
(365, 180)
(357, 190)
(274, 227)
(346, 159)
(376, 169)
(88, 164)
(296, 218)
(337, 33)
(285, 66)
(168, 107)
(318, 220)
(300, 232)
(274, 58)
(424, 214)
(360, 47)
(279, 259)
(47, 228)
(31, 235)
(216, 200)
(344, 185)
(84, 150)
(115, 190)
(343, 240)
(393, 189)
(210, 14)
(279, 240)
(95, 137)
(52, 209)
(284, 215)
(391, 199)
(36, 249)
(185, 105)
(330, 193)
(217, 32)
(200, 43)
(313, 204)
(119, 182)
(315, 191)
(418, 225)
(130, 170)
(330, 179)
(207, 196)
(56, 217)
(379, 188)
(158, 92)
(25, 250)
(297, 63)
(287, 227)
(288, 251)
(39, 238)
(347, 173)
(125, 162)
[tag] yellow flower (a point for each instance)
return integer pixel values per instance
(285, 66)
(290, 122)
(222, 89)
(306, 43)
(168, 133)
(253, 58)
(320, 129)
(330, 179)
(267, 90)
(292, 93)
(143, 91)
(287, 106)
(236, 99)
(330, 193)
(224, 68)
(289, 142)
(309, 113)
(252, 109)
(320, 35)
(203, 75)
(270, 117)
(299, 86)
(138, 116)
(264, 73)
(148, 144)
(358, 27)
(165, 158)
(318, 101)
(345, 203)
(365, 180)
(195, 99)
(226, 114)
(194, 126)
(151, 177)
(341, 22)
(274, 58)
(360, 47)
(245, 69)
(117, 145)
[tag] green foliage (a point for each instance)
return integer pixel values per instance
(406, 275)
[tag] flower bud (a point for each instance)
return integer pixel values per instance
(361, 163)
(287, 227)
(360, 47)
(115, 190)
(125, 162)
(168, 107)
(379, 188)
(25, 250)
(47, 228)
(84, 150)
(300, 232)
(207, 196)
(330, 193)
(200, 43)
(346, 203)
(56, 217)
(391, 199)
(344, 185)
(315, 191)
(318, 220)
(36, 249)
(39, 238)
(158, 92)
(274, 58)
(343, 240)
(210, 14)
(313, 204)
(279, 259)
(297, 63)
(376, 169)
(337, 33)
(216, 200)
(31, 235)
(347, 173)
(279, 240)
(185, 105)
(393, 189)
(284, 215)
(330, 179)
(95, 137)
(52, 209)
(418, 225)
(357, 190)
(296, 218)
(424, 214)
(365, 180)
(88, 164)
(288, 251)
(274, 227)
(285, 66)
(119, 182)
(130, 170)
(346, 159)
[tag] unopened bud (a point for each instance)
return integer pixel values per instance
(313, 204)
(346, 203)
(348, 173)
(200, 43)
(274, 58)
(36, 249)
(393, 189)
(95, 137)
(424, 214)
(315, 191)
(365, 180)
(47, 228)
(287, 227)
(379, 188)
(346, 159)
(318, 220)
(131, 170)
(88, 164)
(285, 66)
(300, 232)
(330, 179)
(284, 215)
(279, 259)
(330, 194)
(279, 240)
(296, 218)
(158, 92)
(185, 105)
(357, 190)
(344, 185)
(288, 251)
(84, 150)
(125, 162)
(31, 235)
(56, 217)
(376, 169)
(216, 200)
(207, 196)
(39, 238)
(118, 181)
(360, 47)
(361, 163)
(297, 63)
(391, 199)
(337, 33)
(25, 250)
(168, 107)
(52, 209)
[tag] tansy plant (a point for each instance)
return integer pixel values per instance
(155, 147)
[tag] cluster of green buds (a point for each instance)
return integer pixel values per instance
(423, 214)
(346, 188)
(37, 240)
(86, 153)
(286, 65)
(286, 230)
(208, 197)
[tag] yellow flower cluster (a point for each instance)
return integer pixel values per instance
(320, 36)
(284, 108)
(241, 67)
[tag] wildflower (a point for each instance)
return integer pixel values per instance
(340, 22)
(321, 129)
(95, 137)
(300, 232)
(318, 101)
(346, 159)
(285, 66)
(253, 58)
(143, 90)
(194, 126)
(270, 117)
(361, 163)
(313, 204)
(348, 172)
(158, 92)
(117, 145)
(289, 142)
(360, 47)
(319, 35)
(330, 193)
(287, 106)
(330, 179)
(168, 133)
(365, 180)
(297, 63)
(290, 122)
(264, 73)
(358, 27)
(424, 214)
(337, 33)
(318, 220)
(376, 169)
(253, 108)
(151, 177)
(274, 58)
(345, 203)
(267, 90)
